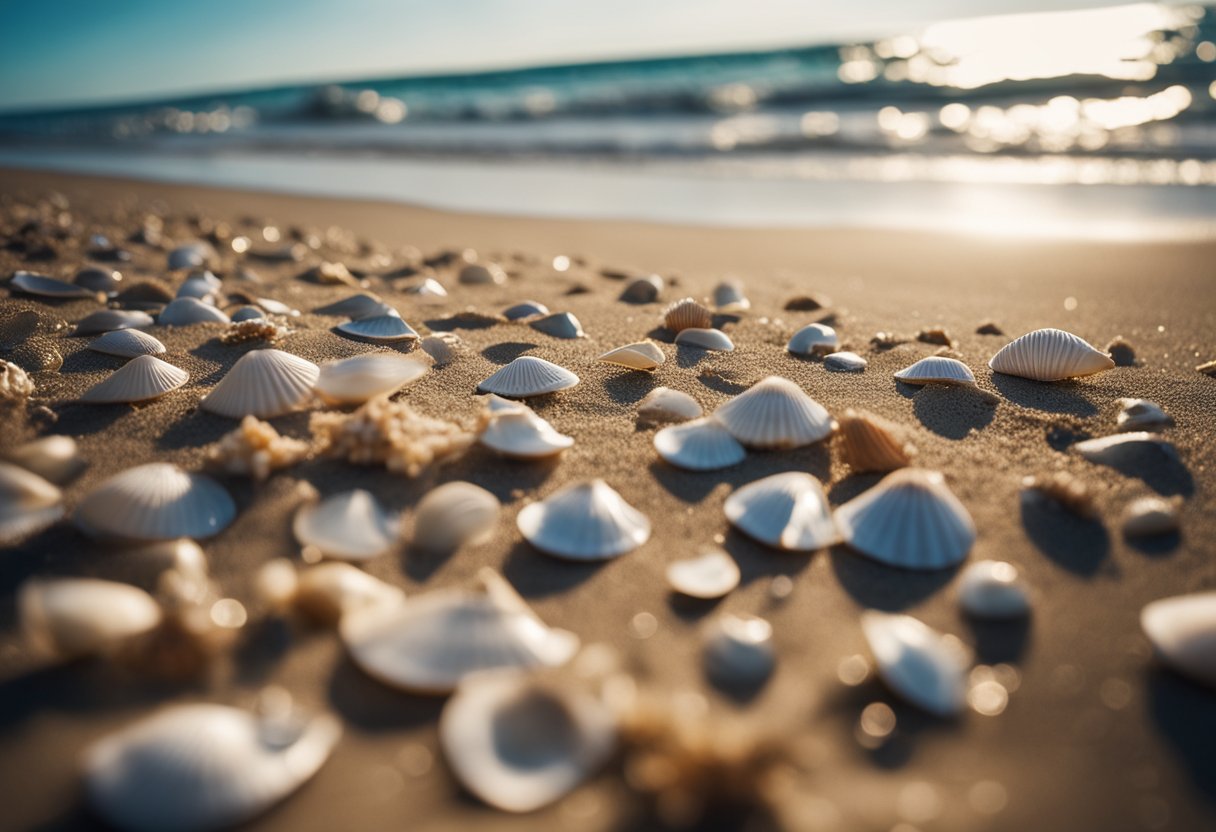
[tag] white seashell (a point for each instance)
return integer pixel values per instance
(813, 339)
(379, 328)
(917, 662)
(435, 640)
(428, 291)
(108, 320)
(686, 314)
(203, 767)
(358, 306)
(28, 503)
(644, 355)
(54, 458)
(993, 589)
(158, 501)
(520, 744)
(127, 343)
(729, 297)
(1150, 516)
(559, 325)
(329, 590)
(738, 650)
(662, 404)
(1050, 355)
(1141, 414)
(191, 256)
(645, 289)
(844, 362)
(584, 521)
(141, 379)
(453, 515)
(514, 430)
(47, 287)
(867, 444)
(700, 445)
(705, 339)
(787, 511)
(71, 617)
(348, 526)
(528, 376)
(1182, 630)
(248, 313)
(263, 383)
(525, 309)
(188, 311)
(147, 565)
(775, 413)
(711, 574)
(355, 380)
(443, 347)
(1124, 447)
(198, 288)
(937, 369)
(483, 274)
(276, 307)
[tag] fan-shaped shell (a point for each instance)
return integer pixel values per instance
(97, 279)
(645, 289)
(911, 520)
(443, 347)
(738, 650)
(47, 287)
(937, 369)
(202, 767)
(644, 355)
(775, 413)
(993, 589)
(730, 297)
(355, 380)
(28, 503)
(329, 590)
(1182, 631)
(711, 574)
(1050, 355)
(813, 339)
(55, 458)
(1148, 516)
(379, 328)
(483, 274)
(188, 311)
(525, 309)
(662, 404)
(917, 662)
(357, 306)
(844, 362)
(157, 501)
(350, 525)
(109, 320)
(686, 314)
(528, 376)
(139, 380)
(1141, 414)
(127, 343)
(705, 339)
(559, 325)
(191, 256)
(867, 444)
(787, 511)
(700, 445)
(71, 617)
(514, 430)
(263, 383)
(584, 521)
(1123, 447)
(453, 515)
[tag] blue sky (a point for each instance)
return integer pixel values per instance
(84, 51)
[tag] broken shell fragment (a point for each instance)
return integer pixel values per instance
(355, 380)
(127, 343)
(1182, 631)
(515, 431)
(644, 355)
(72, 617)
(687, 314)
(867, 443)
(775, 414)
(559, 325)
(917, 662)
(453, 515)
(28, 503)
(844, 362)
(813, 339)
(705, 339)
(1148, 516)
(47, 287)
(584, 521)
(711, 574)
(993, 589)
(525, 309)
(385, 329)
(350, 526)
(738, 650)
(158, 501)
(109, 320)
(141, 379)
(937, 369)
(263, 383)
(528, 376)
(700, 445)
(1141, 414)
(786, 511)
(189, 311)
(1050, 355)
(662, 404)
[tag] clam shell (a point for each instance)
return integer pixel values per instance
(1124, 447)
(97, 279)
(54, 458)
(47, 287)
(28, 503)
(662, 404)
(348, 526)
(379, 328)
(157, 501)
(357, 306)
(515, 431)
(559, 325)
(917, 662)
(1050, 355)
(775, 413)
(188, 311)
(866, 443)
(141, 379)
(786, 511)
(645, 289)
(686, 314)
(1148, 516)
(584, 521)
(813, 339)
(738, 650)
(443, 347)
(453, 515)
(199, 288)
(993, 589)
(1182, 631)
(329, 590)
(705, 339)
(711, 574)
(1141, 414)
(263, 383)
(525, 309)
(937, 369)
(109, 320)
(911, 520)
(355, 380)
(700, 445)
(70, 617)
(528, 376)
(191, 256)
(203, 767)
(483, 274)
(247, 313)
(728, 296)
(644, 355)
(844, 362)
(127, 343)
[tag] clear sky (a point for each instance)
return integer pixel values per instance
(55, 52)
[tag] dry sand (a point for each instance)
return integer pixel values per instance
(1095, 737)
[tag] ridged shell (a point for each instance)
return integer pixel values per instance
(644, 289)
(355, 380)
(443, 347)
(385, 329)
(528, 376)
(514, 430)
(700, 445)
(705, 339)
(711, 574)
(911, 520)
(775, 413)
(189, 311)
(1182, 631)
(738, 650)
(844, 362)
(139, 380)
(350, 526)
(644, 355)
(329, 590)
(867, 444)
(584, 521)
(917, 662)
(70, 617)
(54, 458)
(97, 279)
(479, 274)
(47, 287)
(201, 767)
(28, 503)
(453, 515)
(813, 339)
(786, 511)
(357, 306)
(1141, 414)
(559, 325)
(263, 383)
(685, 314)
(127, 343)
(157, 501)
(109, 320)
(937, 369)
(1050, 355)
(1121, 447)
(993, 589)
(662, 404)
(525, 309)
(191, 256)
(1148, 516)
(729, 297)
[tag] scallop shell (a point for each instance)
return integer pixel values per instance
(157, 501)
(917, 662)
(191, 256)
(263, 383)
(738, 650)
(645, 289)
(559, 325)
(775, 413)
(844, 362)
(1148, 516)
(911, 520)
(54, 458)
(355, 380)
(358, 306)
(47, 287)
(514, 430)
(348, 526)
(705, 339)
(1050, 355)
(867, 444)
(662, 404)
(525, 309)
(1141, 414)
(28, 503)
(686, 314)
(203, 767)
(329, 590)
(937, 369)
(141, 379)
(993, 589)
(70, 617)
(127, 343)
(1182, 631)
(700, 445)
(188, 311)
(528, 376)
(483, 274)
(786, 511)
(813, 339)
(443, 347)
(97, 279)
(1123, 447)
(109, 320)
(379, 328)
(644, 355)
(584, 521)
(453, 515)
(729, 297)
(711, 574)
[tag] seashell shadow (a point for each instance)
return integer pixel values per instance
(1053, 397)
(695, 486)
(85, 419)
(870, 583)
(999, 640)
(1077, 544)
(482, 466)
(262, 646)
(370, 705)
(718, 382)
(1161, 470)
(505, 352)
(756, 561)
(1157, 545)
(952, 412)
(689, 356)
(520, 569)
(662, 333)
(1181, 710)
(462, 321)
(687, 608)
(630, 386)
(738, 690)
(88, 361)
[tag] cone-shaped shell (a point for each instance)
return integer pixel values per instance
(1119, 448)
(127, 343)
(355, 380)
(187, 311)
(380, 328)
(1141, 414)
(844, 362)
(700, 445)
(157, 501)
(453, 515)
(584, 521)
(662, 404)
(28, 503)
(141, 379)
(1183, 633)
(528, 376)
(687, 313)
(263, 383)
(559, 325)
(705, 339)
(1050, 355)
(644, 355)
(738, 650)
(813, 339)
(911, 520)
(711, 574)
(47, 287)
(514, 430)
(197, 768)
(349, 526)
(867, 444)
(937, 369)
(786, 511)
(55, 458)
(525, 309)
(917, 662)
(109, 320)
(993, 589)
(70, 617)
(729, 297)
(775, 413)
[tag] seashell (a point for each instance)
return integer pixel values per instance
(1141, 414)
(989, 328)
(775, 413)
(144, 294)
(147, 565)
(203, 767)
(867, 444)
(247, 313)
(329, 590)
(1064, 490)
(738, 650)
(443, 347)
(453, 515)
(188, 311)
(1050, 355)
(807, 303)
(379, 328)
(15, 385)
(559, 325)
(687, 314)
(141, 379)
(110, 320)
(54, 458)
(917, 662)
(645, 289)
(993, 589)
(1149, 516)
(705, 339)
(157, 501)
(711, 574)
(98, 280)
(1124, 447)
(644, 355)
(357, 306)
(525, 309)
(662, 404)
(528, 376)
(729, 297)
(127, 343)
(786, 511)
(813, 339)
(937, 369)
(355, 380)
(520, 744)
(700, 445)
(435, 640)
(263, 383)
(198, 288)
(72, 617)
(584, 521)
(28, 503)
(910, 519)
(515, 431)
(935, 335)
(429, 290)
(844, 362)
(483, 274)
(191, 256)
(328, 273)
(1182, 631)
(348, 526)
(47, 287)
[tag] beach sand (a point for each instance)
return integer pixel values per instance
(1095, 736)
